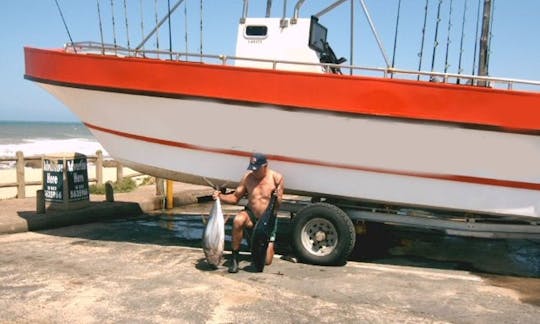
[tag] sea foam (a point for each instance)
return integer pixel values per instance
(44, 146)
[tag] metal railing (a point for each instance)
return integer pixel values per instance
(450, 78)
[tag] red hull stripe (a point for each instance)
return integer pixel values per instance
(458, 178)
(514, 111)
(249, 104)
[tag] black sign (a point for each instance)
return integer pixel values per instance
(53, 180)
(77, 178)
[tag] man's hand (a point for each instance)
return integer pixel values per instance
(216, 194)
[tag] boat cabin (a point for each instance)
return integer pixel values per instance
(285, 44)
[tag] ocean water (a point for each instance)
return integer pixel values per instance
(37, 138)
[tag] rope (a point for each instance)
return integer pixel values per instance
(462, 37)
(65, 25)
(436, 42)
(421, 54)
(100, 28)
(448, 41)
(127, 27)
(113, 25)
(396, 33)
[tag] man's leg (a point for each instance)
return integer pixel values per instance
(270, 249)
(241, 220)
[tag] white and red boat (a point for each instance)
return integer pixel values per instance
(379, 139)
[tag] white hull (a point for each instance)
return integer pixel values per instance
(399, 162)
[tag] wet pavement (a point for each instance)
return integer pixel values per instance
(381, 243)
(151, 269)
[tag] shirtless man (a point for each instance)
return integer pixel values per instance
(258, 183)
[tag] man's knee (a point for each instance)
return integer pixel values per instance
(240, 220)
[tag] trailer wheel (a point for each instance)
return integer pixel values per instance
(322, 234)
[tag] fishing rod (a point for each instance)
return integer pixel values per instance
(448, 41)
(421, 54)
(126, 21)
(461, 42)
(476, 37)
(100, 28)
(436, 42)
(170, 33)
(113, 25)
(396, 34)
(142, 20)
(159, 24)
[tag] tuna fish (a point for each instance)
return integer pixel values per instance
(261, 234)
(213, 240)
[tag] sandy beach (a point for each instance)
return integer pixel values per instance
(35, 174)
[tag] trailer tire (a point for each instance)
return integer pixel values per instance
(322, 234)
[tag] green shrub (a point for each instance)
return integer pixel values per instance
(124, 185)
(147, 181)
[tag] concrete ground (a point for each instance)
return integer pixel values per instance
(133, 268)
(122, 271)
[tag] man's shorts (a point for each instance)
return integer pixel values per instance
(254, 221)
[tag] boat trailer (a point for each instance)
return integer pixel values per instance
(324, 230)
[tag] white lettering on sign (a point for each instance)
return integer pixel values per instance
(78, 193)
(56, 167)
(76, 166)
(78, 178)
(52, 179)
(51, 194)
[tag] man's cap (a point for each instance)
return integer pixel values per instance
(256, 161)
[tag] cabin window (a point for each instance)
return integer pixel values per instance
(257, 31)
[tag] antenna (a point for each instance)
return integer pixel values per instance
(65, 25)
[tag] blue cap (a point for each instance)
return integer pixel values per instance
(257, 160)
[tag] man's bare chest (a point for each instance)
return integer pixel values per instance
(263, 187)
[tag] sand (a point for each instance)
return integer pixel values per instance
(35, 174)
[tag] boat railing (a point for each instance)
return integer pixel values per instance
(450, 78)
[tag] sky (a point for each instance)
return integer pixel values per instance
(37, 23)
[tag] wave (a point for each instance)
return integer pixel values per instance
(40, 146)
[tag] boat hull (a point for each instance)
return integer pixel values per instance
(382, 160)
(381, 140)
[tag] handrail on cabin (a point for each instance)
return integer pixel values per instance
(109, 49)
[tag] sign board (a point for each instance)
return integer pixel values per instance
(53, 180)
(77, 178)
(65, 179)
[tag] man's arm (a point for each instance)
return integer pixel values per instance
(279, 187)
(234, 197)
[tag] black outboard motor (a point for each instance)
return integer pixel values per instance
(318, 43)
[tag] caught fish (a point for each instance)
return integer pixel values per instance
(213, 240)
(261, 234)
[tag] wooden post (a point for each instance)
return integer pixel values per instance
(21, 191)
(40, 201)
(159, 187)
(119, 171)
(170, 198)
(109, 192)
(99, 167)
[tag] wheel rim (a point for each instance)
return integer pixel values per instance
(319, 237)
